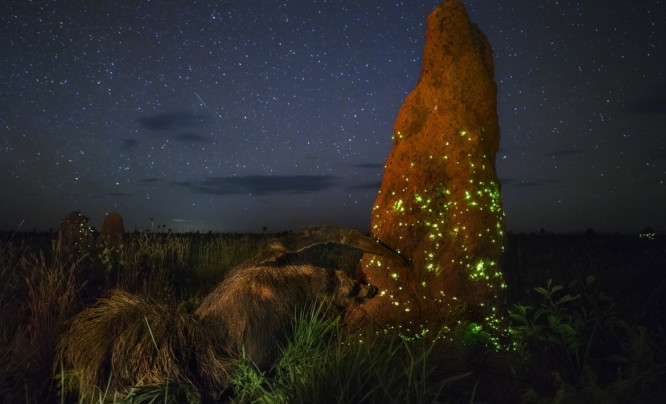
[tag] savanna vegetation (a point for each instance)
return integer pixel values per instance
(586, 314)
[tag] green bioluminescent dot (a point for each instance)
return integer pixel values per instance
(398, 206)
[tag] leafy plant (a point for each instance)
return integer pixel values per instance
(576, 334)
(555, 325)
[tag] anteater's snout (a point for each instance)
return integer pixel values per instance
(362, 291)
(372, 291)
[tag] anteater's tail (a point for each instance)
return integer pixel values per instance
(126, 340)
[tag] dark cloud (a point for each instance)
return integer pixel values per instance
(369, 185)
(172, 120)
(368, 165)
(649, 106)
(129, 143)
(111, 195)
(150, 180)
(263, 184)
(188, 137)
(654, 104)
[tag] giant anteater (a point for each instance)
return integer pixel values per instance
(126, 340)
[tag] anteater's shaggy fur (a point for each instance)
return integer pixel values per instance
(256, 304)
(126, 340)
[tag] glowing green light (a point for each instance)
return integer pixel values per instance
(398, 206)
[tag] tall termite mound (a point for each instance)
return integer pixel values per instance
(439, 202)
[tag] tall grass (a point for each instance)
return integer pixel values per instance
(575, 340)
(37, 300)
(321, 364)
(162, 265)
(45, 284)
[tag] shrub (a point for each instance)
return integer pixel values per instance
(577, 335)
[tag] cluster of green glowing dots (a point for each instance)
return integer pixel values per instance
(443, 215)
(444, 334)
(647, 235)
(441, 211)
(403, 306)
(409, 335)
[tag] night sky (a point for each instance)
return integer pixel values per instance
(238, 115)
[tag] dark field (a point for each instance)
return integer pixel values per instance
(586, 312)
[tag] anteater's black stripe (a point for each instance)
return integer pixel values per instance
(355, 289)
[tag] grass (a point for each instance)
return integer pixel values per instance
(322, 364)
(586, 312)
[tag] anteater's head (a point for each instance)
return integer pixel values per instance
(346, 291)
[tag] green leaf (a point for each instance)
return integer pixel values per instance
(556, 288)
(566, 329)
(518, 317)
(541, 290)
(554, 321)
(567, 298)
(539, 313)
(520, 310)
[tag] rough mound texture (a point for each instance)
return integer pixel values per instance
(439, 201)
(113, 229)
(75, 234)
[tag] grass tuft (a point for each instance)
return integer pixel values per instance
(576, 338)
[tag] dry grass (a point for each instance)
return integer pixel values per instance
(31, 335)
(41, 290)
(126, 340)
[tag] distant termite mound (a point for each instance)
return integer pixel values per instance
(75, 233)
(439, 202)
(113, 230)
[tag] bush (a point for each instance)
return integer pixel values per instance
(577, 335)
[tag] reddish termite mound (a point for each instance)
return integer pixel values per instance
(439, 201)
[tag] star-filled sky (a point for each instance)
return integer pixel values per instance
(235, 115)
